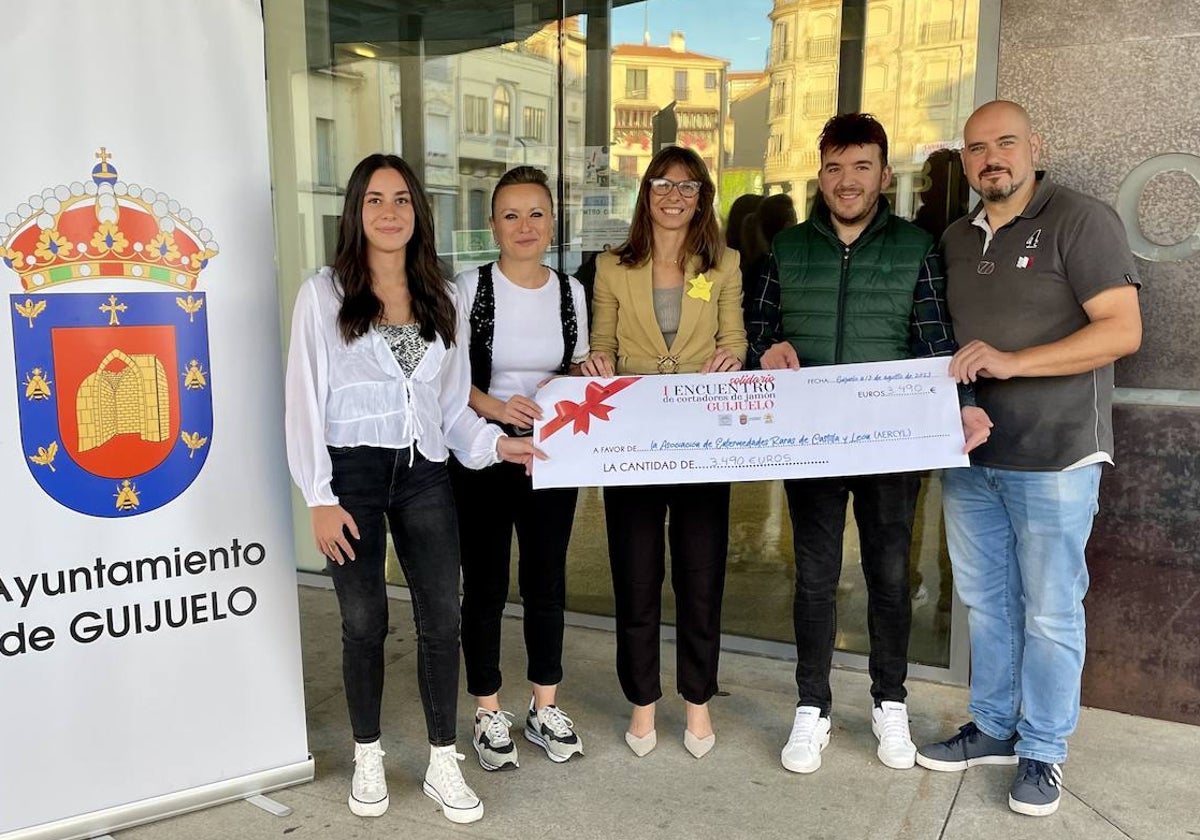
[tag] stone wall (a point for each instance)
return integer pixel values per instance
(1111, 85)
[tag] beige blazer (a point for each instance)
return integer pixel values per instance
(624, 325)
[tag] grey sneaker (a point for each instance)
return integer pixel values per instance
(1035, 791)
(492, 742)
(967, 749)
(553, 731)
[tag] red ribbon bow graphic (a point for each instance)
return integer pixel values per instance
(581, 413)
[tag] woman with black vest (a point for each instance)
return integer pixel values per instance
(528, 323)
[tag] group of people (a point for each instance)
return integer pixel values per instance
(410, 399)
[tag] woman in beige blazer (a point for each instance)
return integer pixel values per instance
(668, 300)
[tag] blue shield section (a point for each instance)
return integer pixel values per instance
(114, 396)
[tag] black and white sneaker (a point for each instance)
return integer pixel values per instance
(553, 731)
(492, 742)
(1036, 790)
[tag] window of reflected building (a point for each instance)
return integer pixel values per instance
(588, 90)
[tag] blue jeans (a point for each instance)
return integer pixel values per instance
(381, 491)
(1016, 543)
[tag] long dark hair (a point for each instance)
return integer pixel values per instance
(428, 283)
(704, 232)
(774, 214)
(742, 207)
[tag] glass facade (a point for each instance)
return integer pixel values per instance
(588, 90)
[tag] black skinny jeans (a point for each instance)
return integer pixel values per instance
(884, 506)
(699, 538)
(378, 488)
(491, 502)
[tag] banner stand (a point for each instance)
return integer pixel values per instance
(148, 595)
(168, 805)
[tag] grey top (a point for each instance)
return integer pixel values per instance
(1025, 285)
(668, 306)
(406, 343)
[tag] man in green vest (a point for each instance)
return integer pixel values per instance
(853, 283)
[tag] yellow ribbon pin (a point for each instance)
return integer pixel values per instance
(701, 288)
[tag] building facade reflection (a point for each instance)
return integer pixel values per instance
(466, 95)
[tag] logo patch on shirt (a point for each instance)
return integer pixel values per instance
(1024, 262)
(985, 267)
(1034, 239)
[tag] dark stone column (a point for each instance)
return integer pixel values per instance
(1143, 611)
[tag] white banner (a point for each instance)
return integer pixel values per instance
(149, 638)
(750, 425)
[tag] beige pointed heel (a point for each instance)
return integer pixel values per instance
(643, 745)
(699, 747)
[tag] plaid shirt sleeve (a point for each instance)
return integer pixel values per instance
(763, 324)
(932, 332)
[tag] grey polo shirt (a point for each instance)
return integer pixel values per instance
(1025, 285)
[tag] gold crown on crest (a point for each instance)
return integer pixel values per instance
(104, 228)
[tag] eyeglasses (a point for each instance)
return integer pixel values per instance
(663, 186)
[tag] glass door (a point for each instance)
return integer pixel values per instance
(588, 90)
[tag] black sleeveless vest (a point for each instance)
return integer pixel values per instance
(483, 326)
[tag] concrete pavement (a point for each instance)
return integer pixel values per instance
(1127, 777)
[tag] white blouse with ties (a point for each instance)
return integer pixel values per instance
(356, 394)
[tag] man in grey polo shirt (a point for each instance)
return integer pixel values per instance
(1043, 297)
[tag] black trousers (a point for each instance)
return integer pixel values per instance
(884, 506)
(698, 533)
(491, 502)
(379, 489)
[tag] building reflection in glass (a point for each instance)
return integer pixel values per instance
(468, 93)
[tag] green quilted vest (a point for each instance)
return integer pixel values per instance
(842, 304)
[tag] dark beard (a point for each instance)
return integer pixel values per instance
(999, 193)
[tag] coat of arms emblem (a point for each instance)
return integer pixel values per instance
(112, 382)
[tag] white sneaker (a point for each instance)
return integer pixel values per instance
(810, 735)
(368, 790)
(445, 785)
(889, 722)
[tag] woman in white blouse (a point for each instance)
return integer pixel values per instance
(528, 323)
(377, 386)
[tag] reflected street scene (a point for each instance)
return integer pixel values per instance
(589, 97)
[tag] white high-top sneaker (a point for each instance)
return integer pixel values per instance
(368, 790)
(445, 785)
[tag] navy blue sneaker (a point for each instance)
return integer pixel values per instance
(1035, 791)
(967, 749)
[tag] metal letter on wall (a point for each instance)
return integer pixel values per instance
(1130, 194)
